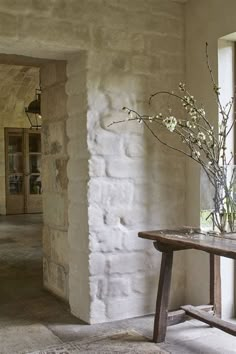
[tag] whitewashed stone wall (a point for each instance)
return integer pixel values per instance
(17, 90)
(119, 180)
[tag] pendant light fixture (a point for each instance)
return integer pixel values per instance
(33, 111)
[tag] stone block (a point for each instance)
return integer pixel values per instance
(76, 63)
(142, 64)
(78, 148)
(60, 247)
(130, 306)
(77, 103)
(98, 287)
(105, 143)
(172, 62)
(96, 166)
(110, 192)
(118, 287)
(76, 126)
(132, 242)
(97, 264)
(107, 62)
(128, 83)
(78, 215)
(126, 168)
(76, 84)
(54, 102)
(54, 138)
(77, 169)
(126, 263)
(97, 312)
(53, 73)
(78, 192)
(106, 240)
(45, 29)
(119, 40)
(98, 101)
(55, 278)
(157, 44)
(55, 208)
(61, 174)
(95, 216)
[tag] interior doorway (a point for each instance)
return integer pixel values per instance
(23, 171)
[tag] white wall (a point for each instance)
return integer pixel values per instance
(206, 21)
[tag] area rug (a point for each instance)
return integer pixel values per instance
(122, 342)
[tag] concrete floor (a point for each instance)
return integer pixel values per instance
(31, 318)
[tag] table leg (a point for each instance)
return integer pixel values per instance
(215, 284)
(163, 293)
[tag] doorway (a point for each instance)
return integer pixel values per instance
(23, 171)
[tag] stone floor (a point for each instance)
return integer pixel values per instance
(31, 318)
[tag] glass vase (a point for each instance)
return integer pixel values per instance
(218, 200)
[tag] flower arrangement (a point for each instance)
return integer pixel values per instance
(201, 143)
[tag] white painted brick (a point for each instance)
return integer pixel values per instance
(96, 216)
(107, 240)
(133, 243)
(106, 143)
(98, 287)
(118, 287)
(128, 263)
(126, 168)
(110, 192)
(97, 264)
(98, 311)
(96, 166)
(98, 101)
(131, 306)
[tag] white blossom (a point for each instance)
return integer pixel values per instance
(170, 123)
(196, 154)
(132, 115)
(201, 136)
(202, 112)
(189, 124)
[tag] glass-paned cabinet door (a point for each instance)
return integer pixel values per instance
(23, 171)
(15, 163)
(35, 186)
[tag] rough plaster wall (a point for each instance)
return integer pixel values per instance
(54, 178)
(134, 183)
(17, 89)
(76, 89)
(133, 48)
(212, 20)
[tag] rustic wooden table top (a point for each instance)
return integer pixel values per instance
(191, 239)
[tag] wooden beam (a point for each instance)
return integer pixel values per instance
(215, 284)
(179, 316)
(160, 322)
(210, 320)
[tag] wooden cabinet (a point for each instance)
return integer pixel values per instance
(23, 171)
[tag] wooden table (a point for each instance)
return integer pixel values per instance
(169, 241)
